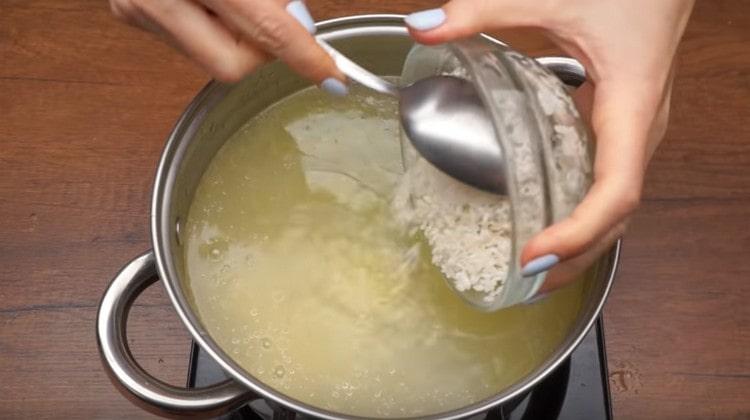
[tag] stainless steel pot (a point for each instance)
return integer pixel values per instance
(378, 42)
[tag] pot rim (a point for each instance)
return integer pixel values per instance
(161, 232)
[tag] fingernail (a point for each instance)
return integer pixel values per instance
(539, 265)
(426, 19)
(334, 86)
(299, 11)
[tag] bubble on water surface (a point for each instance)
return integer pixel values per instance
(215, 254)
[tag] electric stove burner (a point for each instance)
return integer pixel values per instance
(577, 389)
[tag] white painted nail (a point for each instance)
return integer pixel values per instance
(539, 265)
(334, 86)
(299, 11)
(426, 19)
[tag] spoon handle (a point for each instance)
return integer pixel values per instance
(358, 73)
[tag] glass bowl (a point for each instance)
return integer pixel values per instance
(548, 161)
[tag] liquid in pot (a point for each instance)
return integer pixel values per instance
(297, 268)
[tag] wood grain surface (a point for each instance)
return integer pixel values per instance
(85, 106)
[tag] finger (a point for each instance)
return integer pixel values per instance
(204, 38)
(621, 123)
(268, 25)
(661, 121)
(463, 18)
(127, 12)
(570, 270)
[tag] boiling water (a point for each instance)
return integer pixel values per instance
(297, 269)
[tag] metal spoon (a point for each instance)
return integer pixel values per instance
(445, 120)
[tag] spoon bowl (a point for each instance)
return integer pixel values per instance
(446, 121)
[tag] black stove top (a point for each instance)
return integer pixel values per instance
(578, 389)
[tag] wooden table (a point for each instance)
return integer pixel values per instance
(85, 106)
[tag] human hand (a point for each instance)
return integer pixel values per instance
(628, 49)
(232, 38)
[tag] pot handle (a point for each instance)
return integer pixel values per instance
(149, 392)
(568, 70)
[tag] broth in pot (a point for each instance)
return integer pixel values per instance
(297, 267)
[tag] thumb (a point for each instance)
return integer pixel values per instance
(464, 18)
